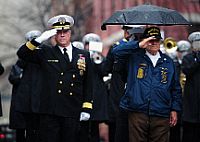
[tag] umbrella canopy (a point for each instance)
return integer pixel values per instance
(145, 15)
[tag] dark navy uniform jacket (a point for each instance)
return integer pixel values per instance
(191, 97)
(67, 86)
(25, 100)
(151, 90)
(27, 82)
(100, 96)
(117, 82)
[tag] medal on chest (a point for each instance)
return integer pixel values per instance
(81, 64)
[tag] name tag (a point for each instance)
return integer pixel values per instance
(53, 61)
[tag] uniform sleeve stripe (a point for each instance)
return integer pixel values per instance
(30, 45)
(87, 105)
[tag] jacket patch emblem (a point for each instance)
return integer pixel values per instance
(81, 64)
(140, 73)
(141, 70)
(164, 75)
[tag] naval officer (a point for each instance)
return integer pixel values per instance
(66, 96)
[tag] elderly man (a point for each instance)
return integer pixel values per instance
(67, 81)
(153, 93)
(118, 122)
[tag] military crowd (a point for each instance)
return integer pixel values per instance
(65, 91)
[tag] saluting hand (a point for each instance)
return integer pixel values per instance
(46, 35)
(144, 42)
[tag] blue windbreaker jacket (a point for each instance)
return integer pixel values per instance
(152, 90)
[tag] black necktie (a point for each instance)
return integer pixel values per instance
(66, 54)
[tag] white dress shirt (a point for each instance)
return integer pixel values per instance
(69, 51)
(154, 58)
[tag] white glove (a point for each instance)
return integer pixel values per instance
(84, 116)
(46, 35)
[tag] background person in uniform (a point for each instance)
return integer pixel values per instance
(183, 48)
(118, 120)
(67, 81)
(78, 44)
(153, 93)
(133, 32)
(26, 80)
(1, 72)
(92, 130)
(191, 98)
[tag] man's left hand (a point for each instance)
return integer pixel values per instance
(173, 118)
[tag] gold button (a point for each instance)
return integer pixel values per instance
(70, 93)
(73, 75)
(61, 73)
(59, 91)
(60, 82)
(72, 84)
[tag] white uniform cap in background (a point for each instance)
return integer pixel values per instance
(61, 22)
(195, 36)
(32, 34)
(91, 37)
(78, 44)
(183, 45)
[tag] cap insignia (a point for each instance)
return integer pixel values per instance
(62, 20)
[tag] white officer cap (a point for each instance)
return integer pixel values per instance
(195, 36)
(61, 22)
(78, 44)
(183, 45)
(91, 37)
(32, 34)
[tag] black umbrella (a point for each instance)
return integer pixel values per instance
(145, 15)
